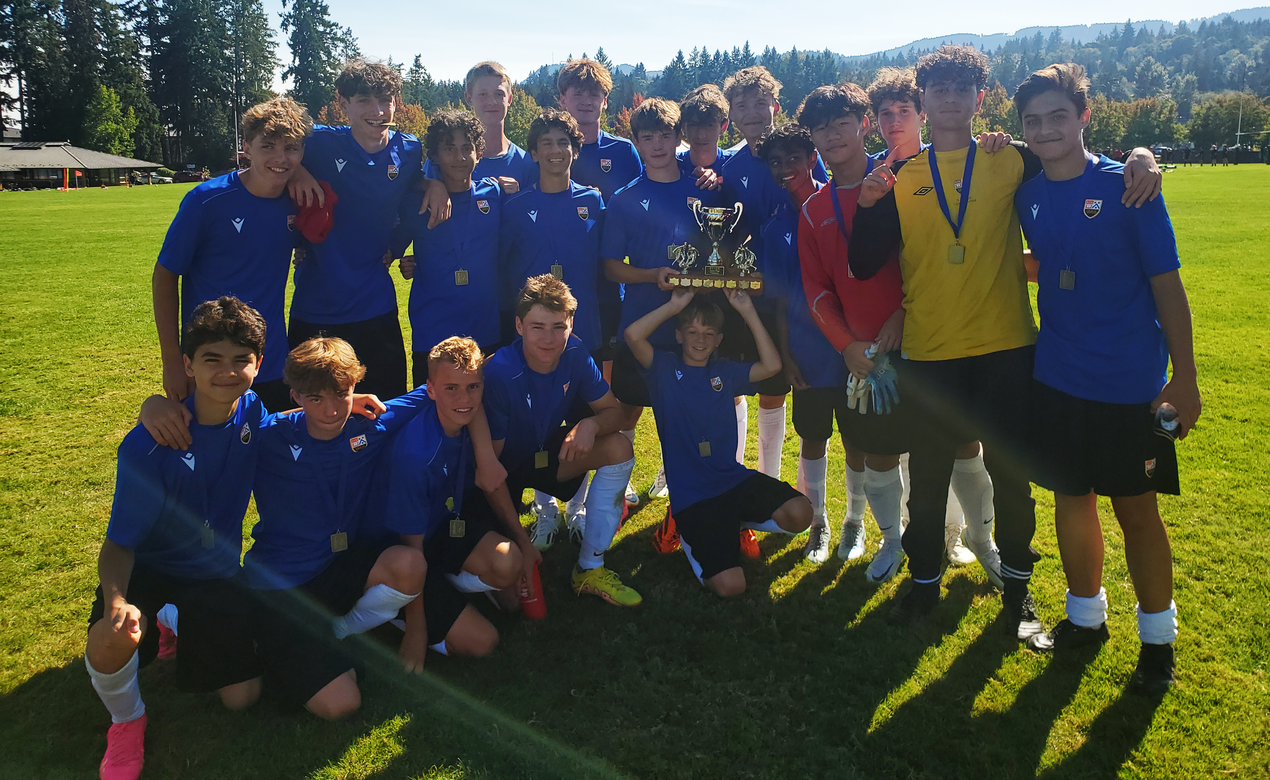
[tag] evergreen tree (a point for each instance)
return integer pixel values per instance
(107, 127)
(317, 48)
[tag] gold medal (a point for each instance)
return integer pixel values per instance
(956, 254)
(457, 528)
(557, 270)
(732, 284)
(460, 277)
(704, 449)
(1067, 279)
(540, 459)
(339, 542)
(209, 537)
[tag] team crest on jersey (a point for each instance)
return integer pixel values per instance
(358, 443)
(291, 222)
(1092, 207)
(483, 205)
(392, 172)
(583, 212)
(957, 185)
(692, 200)
(924, 191)
(244, 435)
(606, 165)
(1149, 467)
(716, 383)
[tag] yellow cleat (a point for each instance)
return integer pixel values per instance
(604, 583)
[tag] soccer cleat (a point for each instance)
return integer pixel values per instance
(125, 751)
(1067, 636)
(666, 537)
(632, 495)
(956, 553)
(659, 489)
(545, 527)
(886, 562)
(167, 642)
(1020, 610)
(1154, 675)
(749, 544)
(851, 546)
(604, 582)
(576, 523)
(817, 548)
(919, 602)
(990, 559)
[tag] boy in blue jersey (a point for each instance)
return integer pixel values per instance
(175, 536)
(488, 93)
(234, 235)
(454, 269)
(553, 419)
(704, 112)
(711, 494)
(432, 503)
(1114, 314)
(342, 287)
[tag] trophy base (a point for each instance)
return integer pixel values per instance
(751, 284)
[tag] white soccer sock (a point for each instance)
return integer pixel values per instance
(440, 647)
(1158, 628)
(544, 500)
(119, 691)
(579, 498)
(857, 501)
(1087, 611)
(884, 489)
(603, 512)
(905, 479)
(812, 476)
(973, 487)
(467, 582)
(377, 606)
(771, 440)
(769, 526)
(742, 428)
(953, 517)
(169, 616)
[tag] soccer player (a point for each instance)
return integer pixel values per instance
(553, 419)
(1113, 314)
(175, 536)
(342, 287)
(234, 235)
(712, 496)
(968, 328)
(488, 92)
(704, 112)
(454, 271)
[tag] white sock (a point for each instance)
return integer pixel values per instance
(856, 499)
(1158, 628)
(905, 478)
(767, 526)
(953, 517)
(884, 489)
(973, 487)
(812, 476)
(579, 498)
(742, 428)
(119, 691)
(1087, 611)
(168, 616)
(543, 500)
(771, 440)
(440, 647)
(603, 512)
(467, 582)
(377, 606)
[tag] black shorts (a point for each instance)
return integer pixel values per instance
(275, 395)
(378, 344)
(815, 409)
(627, 379)
(1111, 449)
(710, 529)
(295, 640)
(609, 299)
(216, 643)
(546, 479)
(883, 434)
(442, 602)
(739, 345)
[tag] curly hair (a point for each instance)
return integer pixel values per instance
(281, 117)
(363, 77)
(554, 119)
(449, 121)
(952, 63)
(224, 319)
(825, 104)
(585, 74)
(894, 84)
(791, 136)
(323, 363)
(757, 78)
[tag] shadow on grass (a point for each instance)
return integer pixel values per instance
(1111, 741)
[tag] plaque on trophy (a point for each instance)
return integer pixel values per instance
(723, 269)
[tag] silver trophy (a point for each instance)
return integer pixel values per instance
(716, 222)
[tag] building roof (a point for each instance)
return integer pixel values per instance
(60, 154)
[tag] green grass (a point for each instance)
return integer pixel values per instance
(801, 677)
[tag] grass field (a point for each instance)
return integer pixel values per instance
(801, 677)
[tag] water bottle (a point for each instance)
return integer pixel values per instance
(534, 608)
(1166, 422)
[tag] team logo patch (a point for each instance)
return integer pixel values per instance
(1035, 208)
(583, 212)
(1149, 467)
(244, 435)
(644, 203)
(188, 459)
(566, 387)
(1092, 207)
(533, 216)
(606, 165)
(789, 239)
(745, 182)
(238, 224)
(358, 443)
(291, 222)
(692, 200)
(679, 374)
(295, 452)
(483, 205)
(392, 172)
(957, 185)
(924, 191)
(716, 383)
(339, 165)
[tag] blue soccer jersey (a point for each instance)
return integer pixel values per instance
(644, 221)
(608, 165)
(696, 425)
(226, 241)
(430, 472)
(455, 286)
(182, 512)
(1100, 338)
(686, 165)
(550, 233)
(524, 407)
(311, 493)
(343, 279)
(514, 164)
(748, 180)
(818, 362)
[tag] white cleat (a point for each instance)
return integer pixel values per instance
(659, 489)
(851, 546)
(886, 563)
(545, 527)
(989, 558)
(575, 521)
(817, 548)
(958, 554)
(632, 495)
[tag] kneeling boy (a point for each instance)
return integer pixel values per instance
(712, 496)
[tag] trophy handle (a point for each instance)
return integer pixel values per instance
(697, 212)
(738, 208)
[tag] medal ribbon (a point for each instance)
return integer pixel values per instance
(459, 476)
(965, 188)
(200, 473)
(837, 207)
(540, 430)
(335, 503)
(1068, 222)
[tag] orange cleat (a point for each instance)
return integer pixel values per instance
(749, 543)
(666, 537)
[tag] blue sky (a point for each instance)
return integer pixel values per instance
(523, 36)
